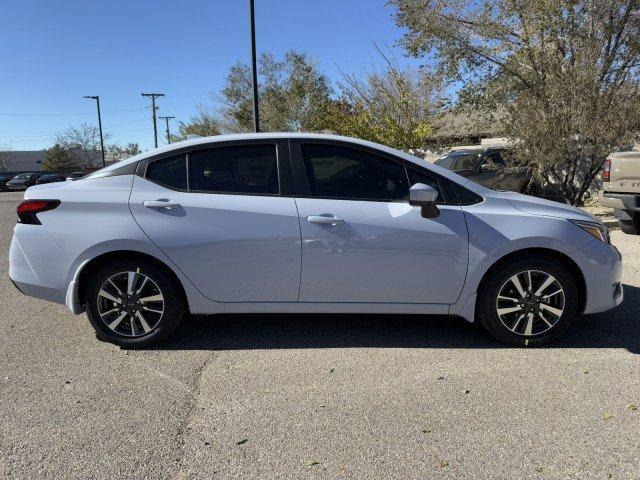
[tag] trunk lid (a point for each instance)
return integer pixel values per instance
(625, 173)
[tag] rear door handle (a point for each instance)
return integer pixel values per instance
(165, 204)
(326, 219)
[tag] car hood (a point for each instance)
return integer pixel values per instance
(547, 208)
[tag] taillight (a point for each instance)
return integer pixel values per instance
(606, 173)
(28, 209)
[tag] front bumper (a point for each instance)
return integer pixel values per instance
(601, 266)
(620, 201)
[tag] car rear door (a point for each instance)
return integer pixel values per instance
(362, 241)
(225, 216)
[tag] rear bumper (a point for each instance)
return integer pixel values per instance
(37, 266)
(620, 201)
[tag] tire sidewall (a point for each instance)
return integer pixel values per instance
(174, 305)
(488, 315)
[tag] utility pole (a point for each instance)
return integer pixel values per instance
(166, 119)
(153, 97)
(256, 112)
(97, 99)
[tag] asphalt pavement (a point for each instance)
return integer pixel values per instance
(317, 396)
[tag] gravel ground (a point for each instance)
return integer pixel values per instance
(254, 397)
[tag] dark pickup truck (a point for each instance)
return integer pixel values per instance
(488, 166)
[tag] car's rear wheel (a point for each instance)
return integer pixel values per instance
(133, 303)
(529, 302)
(631, 227)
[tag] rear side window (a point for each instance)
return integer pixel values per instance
(237, 169)
(342, 172)
(170, 172)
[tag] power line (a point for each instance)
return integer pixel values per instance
(76, 114)
(153, 97)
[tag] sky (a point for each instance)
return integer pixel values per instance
(52, 53)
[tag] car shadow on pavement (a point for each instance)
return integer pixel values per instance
(617, 328)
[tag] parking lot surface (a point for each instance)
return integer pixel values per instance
(322, 396)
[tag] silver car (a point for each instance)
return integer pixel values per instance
(306, 223)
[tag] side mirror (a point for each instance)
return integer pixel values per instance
(424, 196)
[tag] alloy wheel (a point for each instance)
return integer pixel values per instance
(530, 302)
(130, 304)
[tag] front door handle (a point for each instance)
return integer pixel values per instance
(326, 219)
(164, 204)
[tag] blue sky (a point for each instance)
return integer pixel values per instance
(54, 52)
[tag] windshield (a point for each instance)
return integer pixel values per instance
(23, 176)
(459, 161)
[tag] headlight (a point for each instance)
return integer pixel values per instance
(594, 229)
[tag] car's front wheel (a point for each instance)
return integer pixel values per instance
(133, 303)
(529, 302)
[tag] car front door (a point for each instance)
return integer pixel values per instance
(362, 241)
(223, 216)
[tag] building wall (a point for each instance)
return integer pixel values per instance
(32, 160)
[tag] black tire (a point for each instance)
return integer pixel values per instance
(540, 333)
(631, 227)
(173, 304)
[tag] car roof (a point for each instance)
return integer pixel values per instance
(201, 141)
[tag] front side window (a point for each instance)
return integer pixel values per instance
(235, 169)
(421, 177)
(342, 172)
(169, 172)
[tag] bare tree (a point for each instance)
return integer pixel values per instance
(82, 144)
(6, 157)
(565, 72)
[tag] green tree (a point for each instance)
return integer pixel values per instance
(563, 73)
(115, 152)
(292, 93)
(57, 159)
(204, 123)
(392, 106)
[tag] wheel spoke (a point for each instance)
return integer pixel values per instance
(544, 319)
(144, 282)
(113, 325)
(518, 320)
(115, 286)
(545, 284)
(131, 280)
(554, 293)
(134, 329)
(530, 287)
(144, 307)
(504, 311)
(555, 311)
(104, 314)
(516, 281)
(143, 322)
(500, 297)
(108, 296)
(529, 328)
(152, 298)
